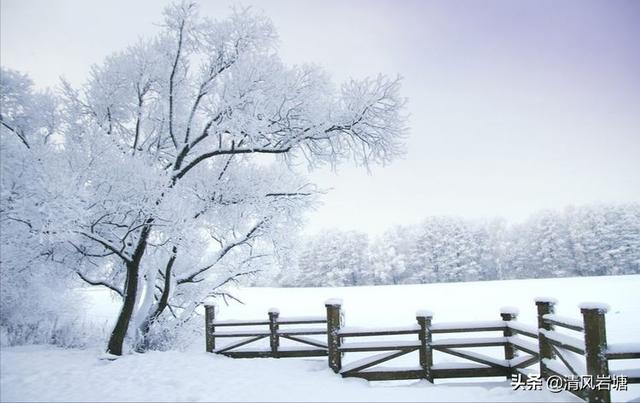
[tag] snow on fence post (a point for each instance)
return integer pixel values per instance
(508, 314)
(333, 338)
(595, 340)
(424, 319)
(274, 338)
(545, 306)
(209, 317)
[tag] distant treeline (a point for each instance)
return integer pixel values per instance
(579, 241)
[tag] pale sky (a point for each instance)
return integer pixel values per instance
(515, 106)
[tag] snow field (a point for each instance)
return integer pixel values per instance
(396, 306)
(49, 373)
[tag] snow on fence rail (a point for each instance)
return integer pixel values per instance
(306, 347)
(583, 355)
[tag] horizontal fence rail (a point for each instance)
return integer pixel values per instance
(578, 352)
(306, 347)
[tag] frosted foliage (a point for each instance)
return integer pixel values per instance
(173, 170)
(580, 241)
(333, 259)
(33, 294)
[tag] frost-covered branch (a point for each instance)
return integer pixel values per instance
(103, 283)
(107, 245)
(221, 254)
(15, 131)
(232, 151)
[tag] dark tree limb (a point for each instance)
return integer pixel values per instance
(174, 69)
(107, 246)
(232, 151)
(99, 282)
(16, 132)
(191, 278)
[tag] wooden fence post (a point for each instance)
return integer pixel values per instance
(274, 338)
(209, 317)
(424, 319)
(508, 314)
(545, 349)
(595, 340)
(333, 338)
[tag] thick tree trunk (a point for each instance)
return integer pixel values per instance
(116, 341)
(122, 324)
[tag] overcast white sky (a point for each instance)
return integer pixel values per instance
(515, 106)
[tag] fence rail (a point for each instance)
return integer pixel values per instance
(305, 347)
(584, 352)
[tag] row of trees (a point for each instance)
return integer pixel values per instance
(584, 241)
(169, 173)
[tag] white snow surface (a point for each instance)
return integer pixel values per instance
(76, 375)
(361, 329)
(577, 322)
(623, 348)
(333, 301)
(523, 327)
(563, 338)
(48, 373)
(468, 324)
(601, 306)
(546, 299)
(424, 313)
(510, 310)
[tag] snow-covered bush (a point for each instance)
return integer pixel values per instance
(67, 333)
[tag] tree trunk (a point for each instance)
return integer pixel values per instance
(119, 332)
(143, 336)
(122, 324)
(143, 343)
(145, 326)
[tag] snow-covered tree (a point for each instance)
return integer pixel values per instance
(445, 250)
(584, 241)
(172, 176)
(334, 258)
(32, 286)
(605, 239)
(549, 250)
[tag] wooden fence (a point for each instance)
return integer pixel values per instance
(582, 356)
(307, 347)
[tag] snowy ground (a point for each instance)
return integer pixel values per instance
(42, 373)
(52, 374)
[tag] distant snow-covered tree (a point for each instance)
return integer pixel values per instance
(334, 258)
(584, 241)
(445, 250)
(549, 248)
(605, 239)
